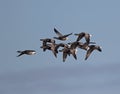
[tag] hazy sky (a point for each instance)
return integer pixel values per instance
(24, 22)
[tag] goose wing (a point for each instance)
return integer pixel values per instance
(55, 54)
(74, 55)
(87, 38)
(80, 36)
(88, 53)
(21, 53)
(57, 32)
(67, 35)
(64, 56)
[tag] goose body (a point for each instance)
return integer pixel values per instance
(27, 52)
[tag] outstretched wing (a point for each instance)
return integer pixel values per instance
(20, 54)
(67, 35)
(64, 56)
(57, 32)
(88, 53)
(73, 52)
(87, 38)
(74, 55)
(80, 36)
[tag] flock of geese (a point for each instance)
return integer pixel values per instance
(67, 48)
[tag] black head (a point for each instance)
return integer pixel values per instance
(99, 49)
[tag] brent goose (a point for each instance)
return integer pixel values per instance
(68, 50)
(27, 52)
(91, 49)
(83, 34)
(50, 47)
(44, 44)
(73, 49)
(59, 45)
(53, 47)
(61, 36)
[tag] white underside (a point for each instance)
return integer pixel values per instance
(32, 53)
(76, 51)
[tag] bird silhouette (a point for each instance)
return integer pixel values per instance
(91, 49)
(61, 36)
(85, 35)
(27, 52)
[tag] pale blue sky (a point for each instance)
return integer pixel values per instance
(24, 22)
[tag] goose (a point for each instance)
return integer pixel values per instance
(91, 49)
(73, 49)
(83, 34)
(27, 52)
(65, 51)
(68, 50)
(52, 47)
(61, 36)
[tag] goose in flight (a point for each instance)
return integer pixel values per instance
(85, 35)
(73, 48)
(52, 47)
(61, 36)
(45, 41)
(27, 52)
(68, 50)
(91, 49)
